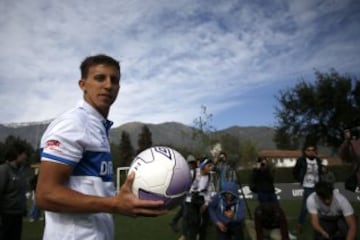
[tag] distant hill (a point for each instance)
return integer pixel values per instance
(172, 133)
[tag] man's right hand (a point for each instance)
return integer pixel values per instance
(126, 203)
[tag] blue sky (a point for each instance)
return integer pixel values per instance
(231, 56)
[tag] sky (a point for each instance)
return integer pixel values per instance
(231, 56)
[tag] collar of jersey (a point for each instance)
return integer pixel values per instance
(83, 104)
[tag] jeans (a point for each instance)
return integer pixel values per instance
(34, 212)
(336, 228)
(195, 222)
(267, 197)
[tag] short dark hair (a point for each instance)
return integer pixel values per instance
(96, 60)
(306, 146)
(14, 150)
(324, 190)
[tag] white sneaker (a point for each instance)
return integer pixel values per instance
(291, 237)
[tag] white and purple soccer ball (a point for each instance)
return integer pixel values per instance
(161, 173)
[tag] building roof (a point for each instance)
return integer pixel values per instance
(280, 153)
(291, 154)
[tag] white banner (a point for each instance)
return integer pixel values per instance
(291, 191)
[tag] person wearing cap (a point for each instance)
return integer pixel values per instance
(327, 175)
(227, 211)
(195, 215)
(174, 222)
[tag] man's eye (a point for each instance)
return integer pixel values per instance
(114, 80)
(100, 77)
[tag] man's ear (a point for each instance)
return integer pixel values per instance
(82, 85)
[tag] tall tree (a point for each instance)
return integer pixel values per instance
(126, 153)
(203, 130)
(145, 139)
(318, 112)
(248, 153)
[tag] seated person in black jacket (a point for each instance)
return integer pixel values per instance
(270, 222)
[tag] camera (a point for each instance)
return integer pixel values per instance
(354, 132)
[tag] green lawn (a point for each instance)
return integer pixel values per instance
(158, 228)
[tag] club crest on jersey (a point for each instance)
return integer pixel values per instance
(53, 145)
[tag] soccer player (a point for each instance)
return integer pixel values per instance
(75, 184)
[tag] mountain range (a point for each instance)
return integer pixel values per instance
(172, 133)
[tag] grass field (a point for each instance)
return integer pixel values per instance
(158, 228)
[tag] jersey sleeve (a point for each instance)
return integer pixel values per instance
(63, 141)
(345, 206)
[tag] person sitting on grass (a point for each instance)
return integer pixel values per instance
(270, 222)
(227, 211)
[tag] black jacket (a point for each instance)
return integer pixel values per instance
(12, 190)
(262, 181)
(300, 168)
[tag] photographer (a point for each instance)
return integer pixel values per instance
(270, 220)
(225, 172)
(349, 150)
(195, 215)
(262, 181)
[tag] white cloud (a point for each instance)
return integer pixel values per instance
(175, 55)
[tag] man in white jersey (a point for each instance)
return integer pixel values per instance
(332, 216)
(75, 184)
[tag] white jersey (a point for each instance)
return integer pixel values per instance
(339, 206)
(79, 138)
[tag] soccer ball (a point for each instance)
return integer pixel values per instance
(161, 173)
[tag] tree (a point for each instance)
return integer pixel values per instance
(317, 112)
(203, 130)
(248, 152)
(145, 139)
(126, 153)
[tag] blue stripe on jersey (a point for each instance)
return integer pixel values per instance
(97, 164)
(57, 158)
